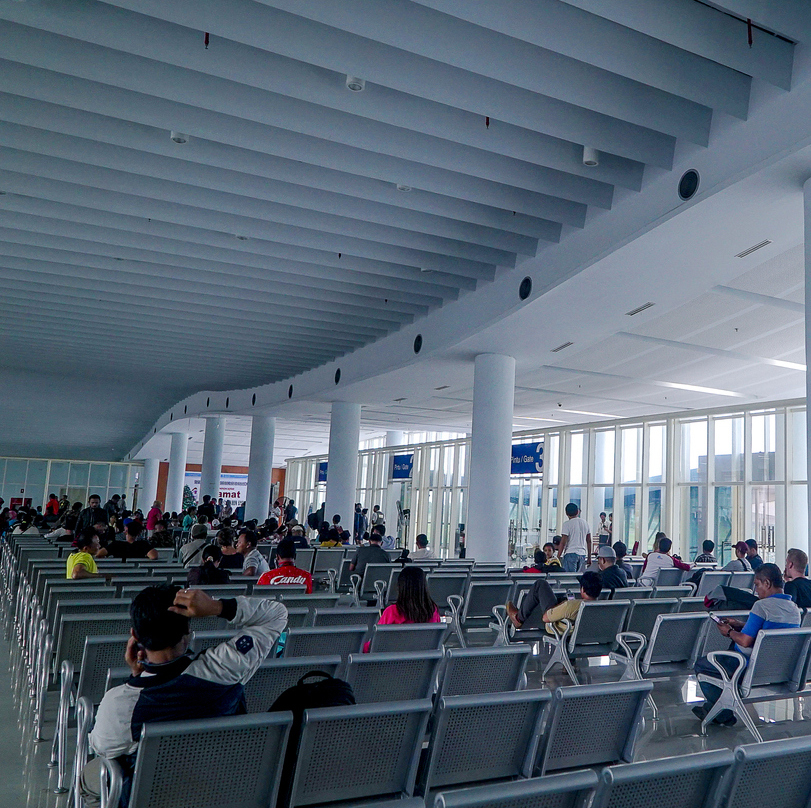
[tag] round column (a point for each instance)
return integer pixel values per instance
(800, 531)
(177, 472)
(148, 488)
(212, 457)
(342, 471)
(488, 512)
(260, 468)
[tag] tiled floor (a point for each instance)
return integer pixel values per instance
(26, 780)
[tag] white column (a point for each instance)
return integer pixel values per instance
(177, 472)
(798, 540)
(488, 512)
(260, 468)
(342, 471)
(212, 457)
(148, 489)
(395, 438)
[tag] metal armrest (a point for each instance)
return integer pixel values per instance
(732, 679)
(455, 603)
(380, 591)
(354, 587)
(501, 626)
(111, 780)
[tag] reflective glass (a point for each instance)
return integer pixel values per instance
(631, 469)
(728, 449)
(799, 447)
(693, 461)
(604, 457)
(764, 437)
(657, 452)
(578, 458)
(693, 519)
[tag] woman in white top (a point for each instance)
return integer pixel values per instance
(739, 563)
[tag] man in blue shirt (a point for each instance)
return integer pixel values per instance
(773, 610)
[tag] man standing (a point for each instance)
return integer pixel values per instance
(798, 587)
(91, 514)
(206, 508)
(773, 610)
(154, 516)
(755, 561)
(611, 576)
(286, 572)
(603, 533)
(111, 507)
(378, 518)
(575, 541)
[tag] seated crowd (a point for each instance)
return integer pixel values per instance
(168, 682)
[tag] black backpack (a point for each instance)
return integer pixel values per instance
(327, 691)
(312, 521)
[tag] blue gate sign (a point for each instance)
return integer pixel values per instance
(322, 472)
(527, 458)
(402, 466)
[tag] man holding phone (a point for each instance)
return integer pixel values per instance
(773, 610)
(169, 683)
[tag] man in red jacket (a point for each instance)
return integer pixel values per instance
(286, 572)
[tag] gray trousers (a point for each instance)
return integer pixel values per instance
(540, 596)
(89, 783)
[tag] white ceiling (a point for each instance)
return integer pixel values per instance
(124, 285)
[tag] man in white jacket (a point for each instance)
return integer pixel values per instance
(170, 684)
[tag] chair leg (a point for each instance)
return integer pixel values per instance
(559, 656)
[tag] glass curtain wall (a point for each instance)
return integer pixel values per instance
(724, 474)
(23, 479)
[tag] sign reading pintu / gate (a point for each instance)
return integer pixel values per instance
(402, 466)
(527, 458)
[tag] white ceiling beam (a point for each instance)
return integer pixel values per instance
(66, 183)
(788, 18)
(289, 224)
(115, 228)
(33, 235)
(516, 63)
(177, 45)
(151, 78)
(295, 37)
(253, 186)
(262, 290)
(173, 334)
(597, 41)
(450, 190)
(704, 31)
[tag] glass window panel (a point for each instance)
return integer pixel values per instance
(2, 470)
(36, 493)
(551, 459)
(764, 508)
(59, 473)
(657, 438)
(604, 456)
(79, 473)
(578, 458)
(655, 503)
(15, 472)
(552, 512)
(728, 450)
(727, 520)
(37, 473)
(118, 477)
(631, 511)
(603, 502)
(693, 519)
(576, 495)
(99, 472)
(632, 454)
(799, 447)
(764, 438)
(798, 508)
(693, 465)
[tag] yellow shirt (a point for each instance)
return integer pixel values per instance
(563, 611)
(84, 558)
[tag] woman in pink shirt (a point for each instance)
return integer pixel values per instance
(414, 603)
(153, 517)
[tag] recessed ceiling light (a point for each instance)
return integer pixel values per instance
(588, 412)
(355, 84)
(178, 137)
(403, 188)
(695, 388)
